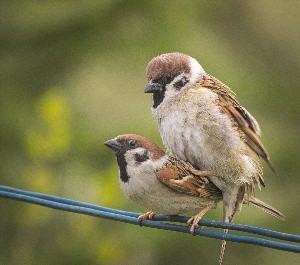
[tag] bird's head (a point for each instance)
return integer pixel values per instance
(136, 153)
(169, 74)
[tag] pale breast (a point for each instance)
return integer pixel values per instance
(194, 129)
(146, 190)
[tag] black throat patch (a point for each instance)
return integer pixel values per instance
(123, 167)
(158, 98)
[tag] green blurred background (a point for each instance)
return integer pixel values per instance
(72, 76)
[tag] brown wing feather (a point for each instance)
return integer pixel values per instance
(220, 88)
(245, 121)
(183, 177)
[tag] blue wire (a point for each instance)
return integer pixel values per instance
(122, 216)
(237, 227)
(67, 201)
(160, 217)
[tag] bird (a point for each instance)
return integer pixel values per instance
(201, 121)
(161, 183)
(165, 184)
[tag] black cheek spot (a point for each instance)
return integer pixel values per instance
(181, 83)
(141, 158)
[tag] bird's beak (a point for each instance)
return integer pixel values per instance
(152, 87)
(113, 144)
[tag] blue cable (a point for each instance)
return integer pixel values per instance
(160, 217)
(129, 217)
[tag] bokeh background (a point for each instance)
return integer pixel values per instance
(72, 76)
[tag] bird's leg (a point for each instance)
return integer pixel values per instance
(194, 220)
(145, 216)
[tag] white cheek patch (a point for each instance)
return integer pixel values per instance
(130, 155)
(176, 79)
(171, 90)
(197, 72)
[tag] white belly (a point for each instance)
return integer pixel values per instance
(198, 132)
(146, 190)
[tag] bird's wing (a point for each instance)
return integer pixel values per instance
(183, 177)
(245, 122)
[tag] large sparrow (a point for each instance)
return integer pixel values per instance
(200, 121)
(164, 184)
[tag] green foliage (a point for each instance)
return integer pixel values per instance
(72, 76)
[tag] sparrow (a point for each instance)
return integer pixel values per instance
(201, 121)
(165, 184)
(161, 183)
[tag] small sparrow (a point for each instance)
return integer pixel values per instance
(161, 183)
(200, 121)
(164, 184)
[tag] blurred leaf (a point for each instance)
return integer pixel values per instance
(51, 136)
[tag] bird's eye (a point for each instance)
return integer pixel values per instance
(165, 79)
(132, 143)
(168, 78)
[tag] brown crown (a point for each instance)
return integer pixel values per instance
(168, 63)
(155, 151)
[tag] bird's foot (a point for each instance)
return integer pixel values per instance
(194, 220)
(145, 216)
(194, 223)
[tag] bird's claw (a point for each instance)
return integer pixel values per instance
(145, 216)
(193, 222)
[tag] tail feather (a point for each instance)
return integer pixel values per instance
(264, 207)
(232, 205)
(256, 203)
